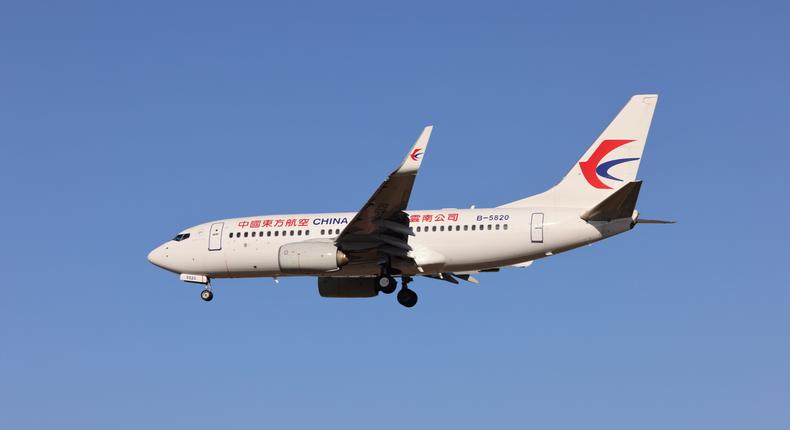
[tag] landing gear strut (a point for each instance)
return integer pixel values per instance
(407, 297)
(206, 294)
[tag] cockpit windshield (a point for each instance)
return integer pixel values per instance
(180, 237)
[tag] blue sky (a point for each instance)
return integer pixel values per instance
(121, 124)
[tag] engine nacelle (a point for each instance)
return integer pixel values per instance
(310, 257)
(347, 287)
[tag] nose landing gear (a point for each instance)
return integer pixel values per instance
(206, 294)
(204, 280)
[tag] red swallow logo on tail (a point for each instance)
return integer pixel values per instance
(593, 169)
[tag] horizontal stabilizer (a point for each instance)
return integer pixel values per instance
(620, 204)
(653, 221)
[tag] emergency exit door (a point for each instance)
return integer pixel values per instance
(215, 236)
(536, 229)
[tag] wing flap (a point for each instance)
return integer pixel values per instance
(523, 264)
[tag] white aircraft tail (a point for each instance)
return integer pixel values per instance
(609, 164)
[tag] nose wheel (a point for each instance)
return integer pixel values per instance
(206, 295)
(407, 297)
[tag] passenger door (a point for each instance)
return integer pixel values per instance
(215, 236)
(536, 228)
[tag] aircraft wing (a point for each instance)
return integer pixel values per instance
(381, 228)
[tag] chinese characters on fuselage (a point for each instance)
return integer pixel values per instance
(305, 222)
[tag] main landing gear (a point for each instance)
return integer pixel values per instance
(386, 284)
(407, 297)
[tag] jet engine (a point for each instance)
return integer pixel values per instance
(310, 257)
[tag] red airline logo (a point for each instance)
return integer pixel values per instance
(592, 168)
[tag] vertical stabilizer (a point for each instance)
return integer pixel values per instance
(610, 163)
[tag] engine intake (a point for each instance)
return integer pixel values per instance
(310, 257)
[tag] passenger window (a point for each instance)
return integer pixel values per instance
(246, 233)
(307, 232)
(504, 226)
(268, 233)
(238, 234)
(497, 226)
(466, 228)
(434, 228)
(458, 228)
(418, 229)
(299, 232)
(276, 233)
(473, 227)
(441, 228)
(230, 235)
(292, 232)
(489, 226)
(253, 234)
(322, 231)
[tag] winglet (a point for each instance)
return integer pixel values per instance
(414, 158)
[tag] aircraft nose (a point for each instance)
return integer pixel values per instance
(157, 257)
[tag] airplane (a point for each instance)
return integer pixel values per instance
(360, 254)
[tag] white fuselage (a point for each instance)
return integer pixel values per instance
(449, 240)
(361, 254)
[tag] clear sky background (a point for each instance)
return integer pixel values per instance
(122, 123)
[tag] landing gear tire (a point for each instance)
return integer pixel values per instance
(386, 284)
(206, 295)
(407, 297)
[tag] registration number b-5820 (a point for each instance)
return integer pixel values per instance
(493, 217)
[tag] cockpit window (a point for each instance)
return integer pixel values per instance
(180, 237)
